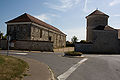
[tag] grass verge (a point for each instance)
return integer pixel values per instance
(72, 53)
(12, 68)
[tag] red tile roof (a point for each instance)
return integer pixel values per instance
(28, 18)
(109, 28)
(97, 12)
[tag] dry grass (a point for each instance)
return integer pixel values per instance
(11, 68)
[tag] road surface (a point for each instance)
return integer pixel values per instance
(95, 67)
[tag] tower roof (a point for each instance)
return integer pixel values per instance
(28, 18)
(109, 28)
(97, 12)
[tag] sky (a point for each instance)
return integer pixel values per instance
(66, 15)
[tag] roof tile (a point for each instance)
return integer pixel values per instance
(28, 18)
(97, 12)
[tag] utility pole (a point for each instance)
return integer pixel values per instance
(8, 42)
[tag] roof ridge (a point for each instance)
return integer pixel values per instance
(97, 12)
(21, 16)
(107, 27)
(42, 22)
(28, 18)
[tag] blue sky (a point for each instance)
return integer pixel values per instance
(67, 15)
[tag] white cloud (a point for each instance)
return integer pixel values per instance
(80, 33)
(116, 15)
(85, 6)
(42, 17)
(53, 15)
(65, 4)
(114, 2)
(47, 17)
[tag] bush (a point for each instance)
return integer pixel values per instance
(83, 41)
(69, 44)
(72, 53)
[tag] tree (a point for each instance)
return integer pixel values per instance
(4, 37)
(1, 35)
(83, 41)
(67, 42)
(74, 39)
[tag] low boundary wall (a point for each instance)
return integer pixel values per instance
(28, 45)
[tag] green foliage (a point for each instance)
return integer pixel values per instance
(69, 44)
(2, 36)
(74, 39)
(72, 53)
(5, 37)
(83, 41)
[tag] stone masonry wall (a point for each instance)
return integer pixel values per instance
(3, 44)
(33, 45)
(36, 32)
(93, 22)
(104, 42)
(42, 34)
(19, 31)
(85, 48)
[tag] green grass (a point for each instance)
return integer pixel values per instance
(72, 53)
(12, 68)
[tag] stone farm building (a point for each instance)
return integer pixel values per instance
(101, 38)
(29, 28)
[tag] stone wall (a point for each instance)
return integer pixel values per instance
(33, 45)
(28, 45)
(93, 22)
(33, 31)
(3, 44)
(19, 31)
(85, 48)
(41, 33)
(107, 41)
(103, 42)
(118, 33)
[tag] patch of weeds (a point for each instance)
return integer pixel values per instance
(72, 53)
(11, 68)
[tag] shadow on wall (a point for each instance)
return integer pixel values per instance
(28, 45)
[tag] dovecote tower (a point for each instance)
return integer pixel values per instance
(97, 20)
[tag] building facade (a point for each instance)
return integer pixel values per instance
(100, 38)
(27, 27)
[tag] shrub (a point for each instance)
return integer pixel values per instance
(72, 53)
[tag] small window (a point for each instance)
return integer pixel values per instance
(50, 38)
(40, 33)
(18, 28)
